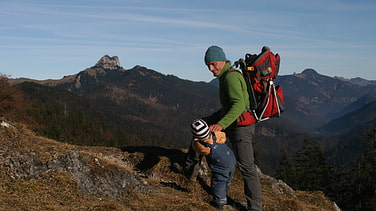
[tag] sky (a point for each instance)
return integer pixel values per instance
(50, 39)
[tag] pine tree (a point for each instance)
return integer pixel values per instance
(345, 189)
(286, 170)
(312, 172)
(368, 173)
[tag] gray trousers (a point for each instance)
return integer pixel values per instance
(241, 140)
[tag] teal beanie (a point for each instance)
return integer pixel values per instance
(214, 53)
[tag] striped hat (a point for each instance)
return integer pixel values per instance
(200, 129)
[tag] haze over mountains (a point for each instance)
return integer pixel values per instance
(146, 107)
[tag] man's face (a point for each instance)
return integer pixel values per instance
(216, 67)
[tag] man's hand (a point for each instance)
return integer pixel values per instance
(215, 128)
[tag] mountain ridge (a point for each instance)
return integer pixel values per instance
(155, 108)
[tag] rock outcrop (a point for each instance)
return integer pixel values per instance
(108, 62)
(97, 179)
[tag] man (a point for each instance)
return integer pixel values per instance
(235, 101)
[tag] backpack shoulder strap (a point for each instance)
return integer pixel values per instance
(234, 70)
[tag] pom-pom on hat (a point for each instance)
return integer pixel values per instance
(214, 53)
(200, 129)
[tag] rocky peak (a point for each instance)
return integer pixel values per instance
(309, 72)
(108, 62)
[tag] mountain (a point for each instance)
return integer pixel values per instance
(132, 101)
(358, 121)
(113, 106)
(359, 81)
(146, 97)
(358, 104)
(317, 97)
(38, 173)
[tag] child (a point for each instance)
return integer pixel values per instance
(219, 156)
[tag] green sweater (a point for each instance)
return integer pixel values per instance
(233, 96)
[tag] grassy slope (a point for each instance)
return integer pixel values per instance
(57, 190)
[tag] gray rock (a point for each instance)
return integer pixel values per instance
(97, 179)
(108, 62)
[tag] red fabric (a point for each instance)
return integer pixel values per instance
(246, 118)
(272, 104)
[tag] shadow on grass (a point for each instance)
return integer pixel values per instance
(152, 155)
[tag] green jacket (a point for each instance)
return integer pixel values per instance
(233, 96)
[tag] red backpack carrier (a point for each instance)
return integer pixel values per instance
(259, 71)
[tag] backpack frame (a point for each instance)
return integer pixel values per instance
(259, 71)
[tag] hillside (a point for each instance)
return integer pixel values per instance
(318, 98)
(42, 174)
(349, 123)
(130, 101)
(112, 106)
(145, 114)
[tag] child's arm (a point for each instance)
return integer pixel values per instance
(199, 148)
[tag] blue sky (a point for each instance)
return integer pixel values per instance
(49, 39)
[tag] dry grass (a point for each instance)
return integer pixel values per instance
(56, 190)
(52, 191)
